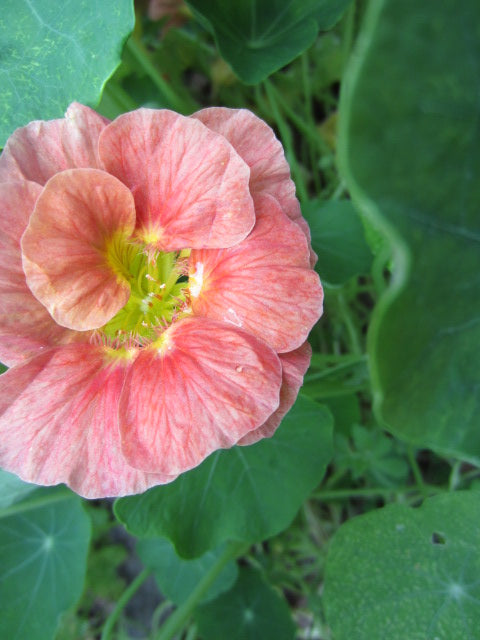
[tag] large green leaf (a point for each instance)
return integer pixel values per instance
(245, 494)
(177, 577)
(257, 37)
(403, 573)
(409, 152)
(250, 611)
(12, 489)
(43, 551)
(54, 53)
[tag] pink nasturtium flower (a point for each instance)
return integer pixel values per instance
(156, 295)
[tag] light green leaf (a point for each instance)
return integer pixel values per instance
(403, 573)
(245, 494)
(257, 37)
(338, 239)
(409, 153)
(52, 54)
(43, 551)
(177, 577)
(250, 611)
(12, 489)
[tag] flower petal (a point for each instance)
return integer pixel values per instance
(203, 388)
(43, 148)
(25, 325)
(257, 144)
(190, 186)
(294, 366)
(264, 284)
(79, 212)
(59, 423)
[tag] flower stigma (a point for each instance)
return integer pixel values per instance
(158, 291)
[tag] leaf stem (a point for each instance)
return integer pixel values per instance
(141, 56)
(286, 136)
(339, 494)
(417, 474)
(349, 324)
(347, 35)
(329, 371)
(124, 599)
(119, 96)
(180, 616)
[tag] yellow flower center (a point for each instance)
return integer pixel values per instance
(158, 282)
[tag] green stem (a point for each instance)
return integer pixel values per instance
(320, 360)
(310, 132)
(326, 373)
(286, 136)
(340, 494)
(348, 29)
(36, 502)
(349, 324)
(417, 474)
(124, 599)
(141, 56)
(179, 618)
(120, 97)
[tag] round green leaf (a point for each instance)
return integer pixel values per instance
(12, 489)
(410, 156)
(52, 54)
(245, 493)
(338, 239)
(401, 573)
(257, 37)
(43, 552)
(176, 577)
(250, 611)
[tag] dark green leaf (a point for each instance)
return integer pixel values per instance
(257, 37)
(250, 611)
(401, 573)
(43, 552)
(410, 155)
(245, 493)
(339, 240)
(177, 577)
(52, 54)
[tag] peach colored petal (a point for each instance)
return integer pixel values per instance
(263, 285)
(59, 423)
(64, 247)
(202, 389)
(43, 148)
(294, 366)
(190, 186)
(256, 143)
(25, 325)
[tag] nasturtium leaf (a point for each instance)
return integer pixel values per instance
(245, 493)
(252, 610)
(177, 577)
(258, 37)
(410, 156)
(338, 239)
(52, 54)
(43, 552)
(12, 489)
(401, 573)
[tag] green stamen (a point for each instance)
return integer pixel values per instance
(157, 294)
